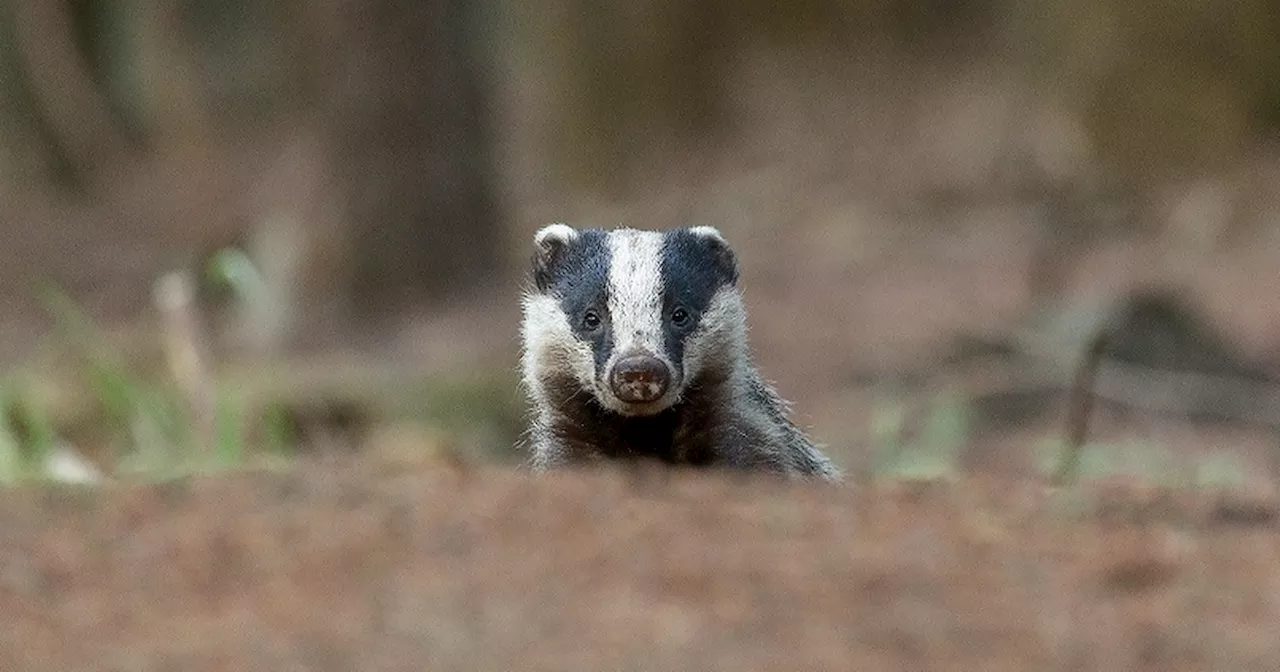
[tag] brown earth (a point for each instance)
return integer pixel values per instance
(377, 567)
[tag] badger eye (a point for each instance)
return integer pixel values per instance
(680, 317)
(591, 320)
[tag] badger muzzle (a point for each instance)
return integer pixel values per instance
(639, 379)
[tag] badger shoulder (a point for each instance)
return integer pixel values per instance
(634, 346)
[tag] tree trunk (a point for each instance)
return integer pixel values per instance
(409, 114)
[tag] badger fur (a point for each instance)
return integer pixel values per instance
(635, 346)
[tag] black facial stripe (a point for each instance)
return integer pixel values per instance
(602, 344)
(579, 279)
(694, 268)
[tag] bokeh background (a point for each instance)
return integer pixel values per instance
(250, 228)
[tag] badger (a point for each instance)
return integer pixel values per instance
(635, 348)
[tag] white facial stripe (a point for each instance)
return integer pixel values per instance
(546, 335)
(721, 333)
(635, 291)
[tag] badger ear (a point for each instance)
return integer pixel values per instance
(723, 259)
(549, 244)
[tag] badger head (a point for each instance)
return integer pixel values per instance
(631, 317)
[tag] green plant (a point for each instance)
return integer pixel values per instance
(1146, 461)
(152, 428)
(934, 452)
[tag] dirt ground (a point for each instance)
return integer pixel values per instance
(363, 566)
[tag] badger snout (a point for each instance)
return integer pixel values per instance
(638, 379)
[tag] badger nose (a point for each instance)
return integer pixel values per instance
(639, 378)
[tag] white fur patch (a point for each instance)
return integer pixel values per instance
(721, 334)
(554, 232)
(707, 232)
(635, 292)
(548, 336)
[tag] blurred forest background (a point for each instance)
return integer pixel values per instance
(317, 214)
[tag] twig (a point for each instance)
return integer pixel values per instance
(186, 350)
(1079, 408)
(1038, 368)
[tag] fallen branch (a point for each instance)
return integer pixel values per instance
(1079, 409)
